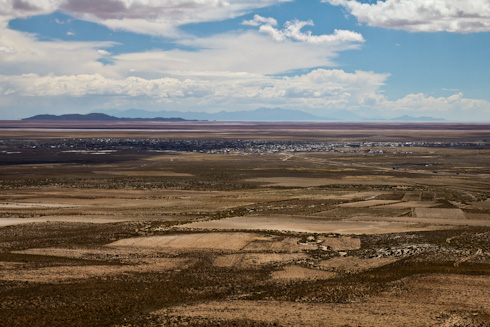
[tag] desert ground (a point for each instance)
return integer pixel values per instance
(214, 224)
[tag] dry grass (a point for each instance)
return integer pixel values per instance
(305, 225)
(439, 213)
(139, 238)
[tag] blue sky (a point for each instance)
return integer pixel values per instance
(376, 59)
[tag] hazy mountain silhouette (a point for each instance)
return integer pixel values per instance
(95, 117)
(419, 119)
(260, 114)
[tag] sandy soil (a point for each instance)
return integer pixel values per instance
(309, 182)
(309, 225)
(10, 266)
(246, 242)
(209, 241)
(253, 260)
(429, 301)
(72, 274)
(293, 272)
(410, 204)
(439, 213)
(342, 243)
(35, 205)
(353, 264)
(477, 216)
(143, 173)
(123, 254)
(482, 204)
(359, 195)
(65, 273)
(365, 204)
(437, 223)
(73, 219)
(412, 196)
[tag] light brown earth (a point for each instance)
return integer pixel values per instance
(353, 264)
(69, 273)
(442, 223)
(439, 213)
(365, 204)
(410, 204)
(294, 272)
(136, 238)
(342, 243)
(438, 300)
(288, 224)
(203, 241)
(309, 182)
(251, 260)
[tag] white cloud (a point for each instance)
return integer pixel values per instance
(8, 50)
(323, 88)
(23, 53)
(234, 70)
(225, 68)
(259, 20)
(292, 31)
(103, 52)
(154, 17)
(82, 85)
(320, 83)
(422, 15)
(236, 52)
(318, 91)
(421, 103)
(23, 8)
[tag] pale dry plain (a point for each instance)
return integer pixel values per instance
(116, 228)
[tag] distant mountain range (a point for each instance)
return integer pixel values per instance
(417, 119)
(261, 114)
(96, 117)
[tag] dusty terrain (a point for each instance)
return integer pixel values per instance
(208, 224)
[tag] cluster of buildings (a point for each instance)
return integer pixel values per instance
(236, 146)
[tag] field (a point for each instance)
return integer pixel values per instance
(214, 224)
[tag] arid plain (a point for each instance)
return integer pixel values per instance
(214, 224)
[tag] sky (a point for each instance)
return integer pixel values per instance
(377, 59)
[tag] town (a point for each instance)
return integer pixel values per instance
(223, 146)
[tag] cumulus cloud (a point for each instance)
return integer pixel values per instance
(317, 91)
(259, 20)
(23, 8)
(320, 83)
(96, 84)
(325, 87)
(22, 53)
(230, 70)
(142, 16)
(8, 50)
(422, 15)
(292, 31)
(103, 52)
(421, 103)
(320, 89)
(237, 52)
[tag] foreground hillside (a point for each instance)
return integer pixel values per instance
(285, 228)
